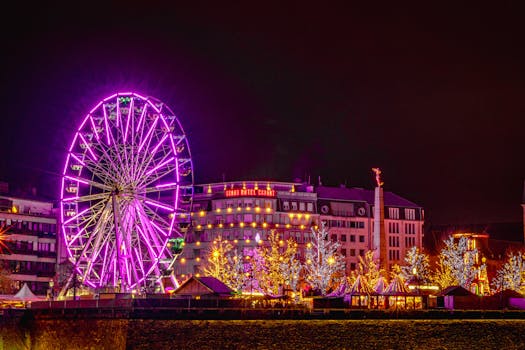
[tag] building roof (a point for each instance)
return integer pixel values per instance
(456, 290)
(214, 284)
(397, 287)
(362, 195)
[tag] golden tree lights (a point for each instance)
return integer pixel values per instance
(224, 262)
(275, 266)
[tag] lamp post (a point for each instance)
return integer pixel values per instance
(414, 272)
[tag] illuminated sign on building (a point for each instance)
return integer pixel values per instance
(250, 193)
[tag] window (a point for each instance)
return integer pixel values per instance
(352, 252)
(301, 206)
(343, 252)
(343, 238)
(309, 207)
(334, 238)
(352, 238)
(361, 252)
(294, 206)
(410, 214)
(361, 239)
(393, 213)
(352, 266)
(286, 205)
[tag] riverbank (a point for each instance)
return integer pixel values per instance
(263, 334)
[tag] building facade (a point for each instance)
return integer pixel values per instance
(28, 252)
(244, 212)
(349, 214)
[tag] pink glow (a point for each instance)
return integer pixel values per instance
(93, 126)
(78, 159)
(96, 107)
(159, 205)
(76, 216)
(139, 259)
(158, 228)
(77, 179)
(77, 235)
(130, 115)
(140, 96)
(166, 185)
(159, 144)
(150, 248)
(148, 134)
(160, 165)
(110, 97)
(103, 272)
(118, 111)
(89, 148)
(108, 132)
(154, 107)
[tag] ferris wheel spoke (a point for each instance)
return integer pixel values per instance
(151, 155)
(88, 182)
(159, 205)
(161, 221)
(139, 259)
(109, 252)
(86, 198)
(155, 178)
(149, 134)
(163, 187)
(130, 117)
(109, 135)
(149, 231)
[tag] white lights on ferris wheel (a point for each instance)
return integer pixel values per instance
(127, 177)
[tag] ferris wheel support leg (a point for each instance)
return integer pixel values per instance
(66, 286)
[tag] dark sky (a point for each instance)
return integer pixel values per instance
(432, 94)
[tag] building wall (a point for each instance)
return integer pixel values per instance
(353, 229)
(242, 212)
(236, 211)
(29, 251)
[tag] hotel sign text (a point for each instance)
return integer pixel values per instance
(250, 193)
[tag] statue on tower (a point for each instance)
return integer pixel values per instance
(377, 171)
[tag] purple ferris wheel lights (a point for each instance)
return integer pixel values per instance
(120, 188)
(161, 165)
(161, 206)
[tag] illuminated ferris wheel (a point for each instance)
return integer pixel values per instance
(126, 193)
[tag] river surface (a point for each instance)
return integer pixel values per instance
(264, 334)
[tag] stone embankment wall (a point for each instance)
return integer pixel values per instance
(264, 334)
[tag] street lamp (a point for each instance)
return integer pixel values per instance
(414, 272)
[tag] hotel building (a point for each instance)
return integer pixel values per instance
(28, 230)
(244, 212)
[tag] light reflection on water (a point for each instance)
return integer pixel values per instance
(266, 334)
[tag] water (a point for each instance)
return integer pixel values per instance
(264, 334)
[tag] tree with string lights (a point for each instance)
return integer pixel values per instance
(416, 266)
(225, 263)
(369, 268)
(275, 266)
(324, 266)
(457, 264)
(511, 275)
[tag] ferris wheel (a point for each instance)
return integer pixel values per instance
(126, 195)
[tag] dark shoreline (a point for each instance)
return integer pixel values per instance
(89, 333)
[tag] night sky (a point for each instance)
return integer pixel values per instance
(432, 95)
